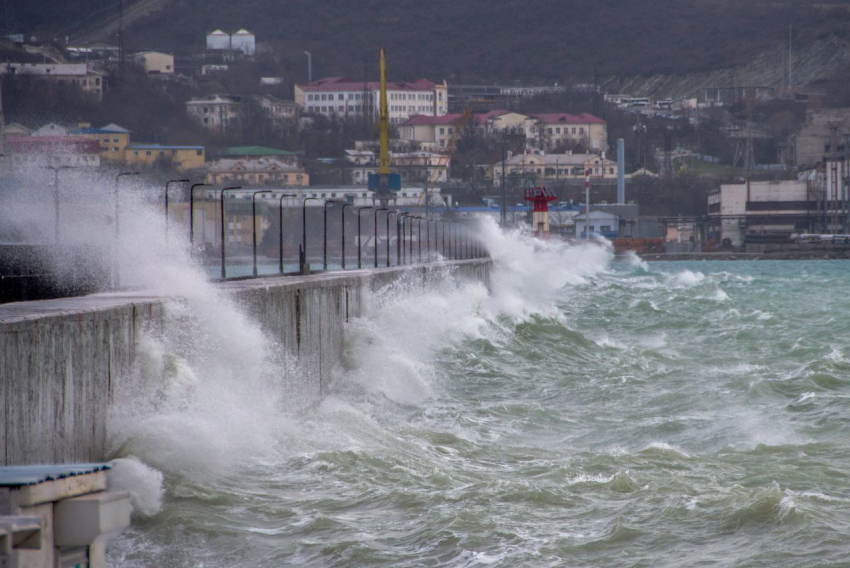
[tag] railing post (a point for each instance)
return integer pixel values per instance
(325, 232)
(223, 230)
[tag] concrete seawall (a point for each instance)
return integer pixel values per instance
(61, 360)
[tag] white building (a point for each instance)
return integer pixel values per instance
(736, 209)
(547, 167)
(80, 74)
(346, 97)
(411, 166)
(155, 62)
(601, 223)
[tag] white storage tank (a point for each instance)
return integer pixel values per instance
(218, 40)
(243, 41)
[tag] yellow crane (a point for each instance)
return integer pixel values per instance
(384, 183)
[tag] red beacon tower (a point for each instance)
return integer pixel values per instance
(541, 197)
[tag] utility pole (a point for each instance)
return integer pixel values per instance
(790, 39)
(121, 34)
(309, 66)
(587, 204)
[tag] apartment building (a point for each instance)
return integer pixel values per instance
(344, 97)
(113, 140)
(182, 158)
(563, 129)
(555, 167)
(80, 74)
(219, 113)
(259, 171)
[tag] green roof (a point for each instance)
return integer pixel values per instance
(257, 151)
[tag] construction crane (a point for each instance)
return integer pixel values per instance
(384, 183)
(446, 154)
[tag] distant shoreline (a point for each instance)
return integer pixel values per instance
(785, 255)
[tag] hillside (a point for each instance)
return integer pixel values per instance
(473, 40)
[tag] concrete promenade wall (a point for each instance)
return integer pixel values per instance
(61, 360)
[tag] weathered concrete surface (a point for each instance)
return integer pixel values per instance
(60, 360)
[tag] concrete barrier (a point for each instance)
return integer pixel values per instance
(60, 360)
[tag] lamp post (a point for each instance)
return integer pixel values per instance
(192, 211)
(254, 223)
(280, 226)
(343, 232)
(388, 233)
(56, 198)
(359, 242)
(399, 231)
(223, 230)
(117, 203)
(309, 66)
(419, 234)
(325, 232)
(169, 182)
(303, 260)
(376, 233)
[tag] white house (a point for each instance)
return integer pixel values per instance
(601, 223)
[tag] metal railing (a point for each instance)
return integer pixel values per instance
(448, 240)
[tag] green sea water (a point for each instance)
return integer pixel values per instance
(584, 411)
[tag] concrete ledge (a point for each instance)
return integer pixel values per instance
(61, 360)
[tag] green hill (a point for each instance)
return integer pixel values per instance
(465, 40)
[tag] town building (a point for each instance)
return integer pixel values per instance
(545, 131)
(291, 158)
(602, 223)
(182, 158)
(276, 112)
(79, 74)
(810, 145)
(344, 97)
(259, 171)
(738, 209)
(53, 151)
(554, 167)
(113, 140)
(219, 113)
(50, 129)
(411, 166)
(155, 62)
(562, 129)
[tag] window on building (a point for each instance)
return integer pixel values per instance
(549, 130)
(148, 153)
(610, 170)
(605, 228)
(199, 152)
(581, 130)
(341, 97)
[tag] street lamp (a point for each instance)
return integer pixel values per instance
(399, 231)
(192, 211)
(280, 227)
(325, 231)
(223, 228)
(388, 233)
(343, 232)
(303, 260)
(359, 242)
(169, 182)
(56, 197)
(117, 203)
(254, 222)
(376, 233)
